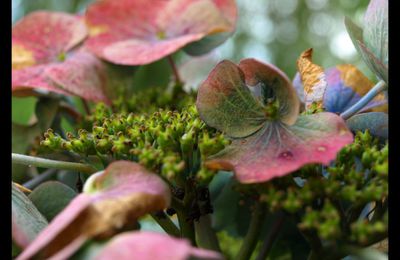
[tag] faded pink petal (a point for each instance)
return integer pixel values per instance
(278, 149)
(47, 34)
(112, 199)
(150, 246)
(42, 57)
(136, 32)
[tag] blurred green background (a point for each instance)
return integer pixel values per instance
(274, 31)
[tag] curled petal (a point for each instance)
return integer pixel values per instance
(226, 103)
(112, 199)
(346, 86)
(313, 78)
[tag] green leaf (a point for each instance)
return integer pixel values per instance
(375, 122)
(51, 197)
(27, 221)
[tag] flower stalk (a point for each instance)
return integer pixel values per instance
(378, 88)
(53, 164)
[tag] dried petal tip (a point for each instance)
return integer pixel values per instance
(313, 78)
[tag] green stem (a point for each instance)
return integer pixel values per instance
(378, 88)
(186, 227)
(174, 70)
(53, 164)
(206, 237)
(250, 241)
(271, 236)
(166, 223)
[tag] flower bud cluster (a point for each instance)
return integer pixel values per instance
(330, 200)
(171, 143)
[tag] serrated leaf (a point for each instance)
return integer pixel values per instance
(27, 221)
(151, 245)
(51, 197)
(346, 86)
(375, 122)
(265, 146)
(43, 59)
(140, 32)
(111, 200)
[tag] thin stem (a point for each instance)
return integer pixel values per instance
(32, 183)
(206, 237)
(271, 236)
(378, 88)
(86, 106)
(250, 241)
(46, 163)
(174, 70)
(166, 223)
(22, 188)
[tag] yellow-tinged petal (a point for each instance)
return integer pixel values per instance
(21, 57)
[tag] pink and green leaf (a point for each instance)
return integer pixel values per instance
(278, 149)
(112, 199)
(346, 86)
(27, 222)
(151, 245)
(137, 32)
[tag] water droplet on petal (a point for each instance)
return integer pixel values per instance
(321, 148)
(286, 155)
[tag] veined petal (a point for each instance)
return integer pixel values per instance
(277, 149)
(226, 103)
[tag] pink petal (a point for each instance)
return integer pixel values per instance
(81, 74)
(62, 231)
(136, 32)
(150, 246)
(278, 149)
(111, 200)
(47, 34)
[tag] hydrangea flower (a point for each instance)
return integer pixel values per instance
(256, 105)
(137, 32)
(46, 56)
